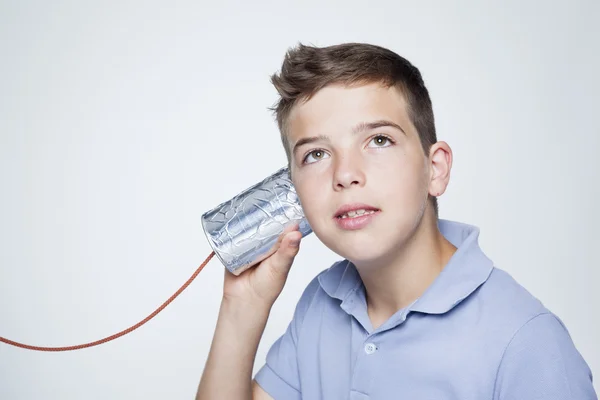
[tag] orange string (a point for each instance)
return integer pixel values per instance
(116, 335)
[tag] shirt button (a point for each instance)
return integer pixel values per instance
(370, 348)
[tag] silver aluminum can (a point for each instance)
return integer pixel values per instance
(243, 231)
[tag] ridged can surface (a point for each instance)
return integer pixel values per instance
(244, 230)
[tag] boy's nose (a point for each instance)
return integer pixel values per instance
(348, 172)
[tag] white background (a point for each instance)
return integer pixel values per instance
(122, 122)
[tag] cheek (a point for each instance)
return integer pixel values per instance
(311, 197)
(404, 181)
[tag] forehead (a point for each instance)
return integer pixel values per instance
(339, 108)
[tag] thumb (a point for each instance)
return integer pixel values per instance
(283, 258)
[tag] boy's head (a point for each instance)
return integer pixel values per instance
(357, 126)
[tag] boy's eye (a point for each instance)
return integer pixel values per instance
(380, 141)
(316, 155)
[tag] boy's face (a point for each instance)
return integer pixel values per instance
(383, 167)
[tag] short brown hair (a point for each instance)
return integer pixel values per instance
(308, 69)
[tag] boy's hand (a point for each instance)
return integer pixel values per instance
(264, 282)
(247, 301)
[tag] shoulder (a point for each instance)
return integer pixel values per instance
(533, 348)
(508, 301)
(499, 309)
(521, 319)
(541, 360)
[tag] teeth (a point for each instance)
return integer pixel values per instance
(356, 213)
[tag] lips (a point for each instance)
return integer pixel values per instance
(353, 207)
(349, 217)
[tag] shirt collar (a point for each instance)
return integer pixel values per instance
(468, 269)
(340, 280)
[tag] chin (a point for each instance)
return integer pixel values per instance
(359, 249)
(361, 258)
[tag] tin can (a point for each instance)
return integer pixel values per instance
(244, 230)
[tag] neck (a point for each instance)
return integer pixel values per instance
(400, 278)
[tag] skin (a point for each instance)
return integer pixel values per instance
(401, 252)
(398, 255)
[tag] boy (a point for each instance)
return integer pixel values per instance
(415, 310)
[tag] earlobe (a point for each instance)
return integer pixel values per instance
(440, 156)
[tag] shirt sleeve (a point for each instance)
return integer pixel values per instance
(542, 363)
(280, 377)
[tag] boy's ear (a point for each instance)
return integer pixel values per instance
(440, 164)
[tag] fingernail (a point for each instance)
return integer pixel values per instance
(294, 243)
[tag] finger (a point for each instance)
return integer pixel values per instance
(282, 259)
(287, 229)
(290, 228)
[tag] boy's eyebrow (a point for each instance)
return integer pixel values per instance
(361, 127)
(303, 141)
(367, 126)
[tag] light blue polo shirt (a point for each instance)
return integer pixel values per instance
(474, 334)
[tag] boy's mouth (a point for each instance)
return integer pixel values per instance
(354, 210)
(357, 213)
